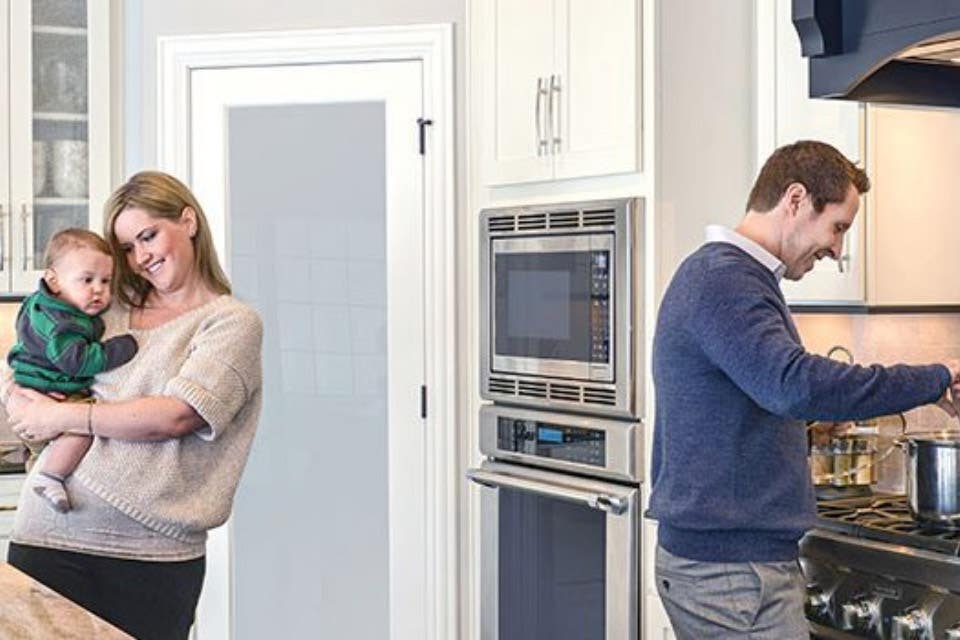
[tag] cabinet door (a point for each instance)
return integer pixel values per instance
(5, 238)
(517, 60)
(594, 92)
(9, 493)
(59, 125)
(915, 255)
(786, 114)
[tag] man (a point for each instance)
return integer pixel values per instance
(734, 385)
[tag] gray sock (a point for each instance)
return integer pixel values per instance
(50, 487)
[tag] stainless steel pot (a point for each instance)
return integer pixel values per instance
(933, 478)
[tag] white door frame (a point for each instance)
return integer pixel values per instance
(178, 57)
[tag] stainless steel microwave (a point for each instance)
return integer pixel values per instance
(561, 296)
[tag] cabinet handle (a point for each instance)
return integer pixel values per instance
(844, 257)
(3, 239)
(555, 128)
(25, 217)
(538, 117)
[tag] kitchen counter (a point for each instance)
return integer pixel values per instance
(30, 610)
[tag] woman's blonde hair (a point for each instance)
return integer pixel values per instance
(161, 196)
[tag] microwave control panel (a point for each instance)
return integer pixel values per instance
(600, 306)
(546, 440)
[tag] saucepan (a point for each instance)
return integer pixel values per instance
(933, 477)
(850, 460)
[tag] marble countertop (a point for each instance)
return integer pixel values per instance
(30, 610)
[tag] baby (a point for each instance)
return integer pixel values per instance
(58, 345)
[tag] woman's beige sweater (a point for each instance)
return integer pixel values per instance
(172, 491)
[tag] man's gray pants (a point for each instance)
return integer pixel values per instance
(762, 600)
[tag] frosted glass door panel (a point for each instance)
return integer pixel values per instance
(312, 180)
(308, 237)
(60, 106)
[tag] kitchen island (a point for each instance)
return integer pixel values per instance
(29, 610)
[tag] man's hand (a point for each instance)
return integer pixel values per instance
(822, 432)
(950, 400)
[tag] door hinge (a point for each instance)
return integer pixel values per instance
(423, 401)
(423, 123)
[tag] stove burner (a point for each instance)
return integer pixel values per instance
(887, 519)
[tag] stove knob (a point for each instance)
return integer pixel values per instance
(818, 603)
(912, 625)
(860, 615)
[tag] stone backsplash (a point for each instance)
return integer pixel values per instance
(890, 339)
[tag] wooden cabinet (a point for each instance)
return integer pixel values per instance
(9, 493)
(54, 127)
(559, 88)
(786, 114)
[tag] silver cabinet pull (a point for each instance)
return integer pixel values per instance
(844, 257)
(555, 125)
(3, 239)
(25, 217)
(615, 505)
(538, 117)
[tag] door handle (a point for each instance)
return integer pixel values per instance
(612, 504)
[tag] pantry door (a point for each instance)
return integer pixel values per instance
(315, 173)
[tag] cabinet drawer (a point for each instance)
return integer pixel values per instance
(10, 490)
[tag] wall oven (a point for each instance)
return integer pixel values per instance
(560, 542)
(561, 320)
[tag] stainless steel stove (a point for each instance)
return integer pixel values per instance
(874, 572)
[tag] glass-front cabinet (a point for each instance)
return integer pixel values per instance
(57, 128)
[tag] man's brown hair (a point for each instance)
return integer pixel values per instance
(70, 239)
(824, 171)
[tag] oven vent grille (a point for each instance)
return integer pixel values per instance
(503, 385)
(567, 392)
(599, 218)
(574, 394)
(531, 221)
(564, 219)
(533, 389)
(599, 395)
(501, 223)
(552, 220)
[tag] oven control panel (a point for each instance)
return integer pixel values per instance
(548, 440)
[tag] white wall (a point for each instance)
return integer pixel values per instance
(704, 147)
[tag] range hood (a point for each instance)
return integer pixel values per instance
(897, 51)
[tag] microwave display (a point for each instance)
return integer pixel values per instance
(553, 305)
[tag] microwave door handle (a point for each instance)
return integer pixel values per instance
(615, 505)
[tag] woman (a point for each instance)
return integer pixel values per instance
(172, 428)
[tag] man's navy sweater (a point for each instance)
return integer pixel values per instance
(734, 386)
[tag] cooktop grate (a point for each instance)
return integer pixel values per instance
(885, 519)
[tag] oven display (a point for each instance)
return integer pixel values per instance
(545, 440)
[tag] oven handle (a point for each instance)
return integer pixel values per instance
(615, 505)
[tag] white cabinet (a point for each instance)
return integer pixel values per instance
(913, 251)
(9, 493)
(786, 114)
(54, 127)
(558, 88)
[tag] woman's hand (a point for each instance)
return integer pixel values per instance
(34, 416)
